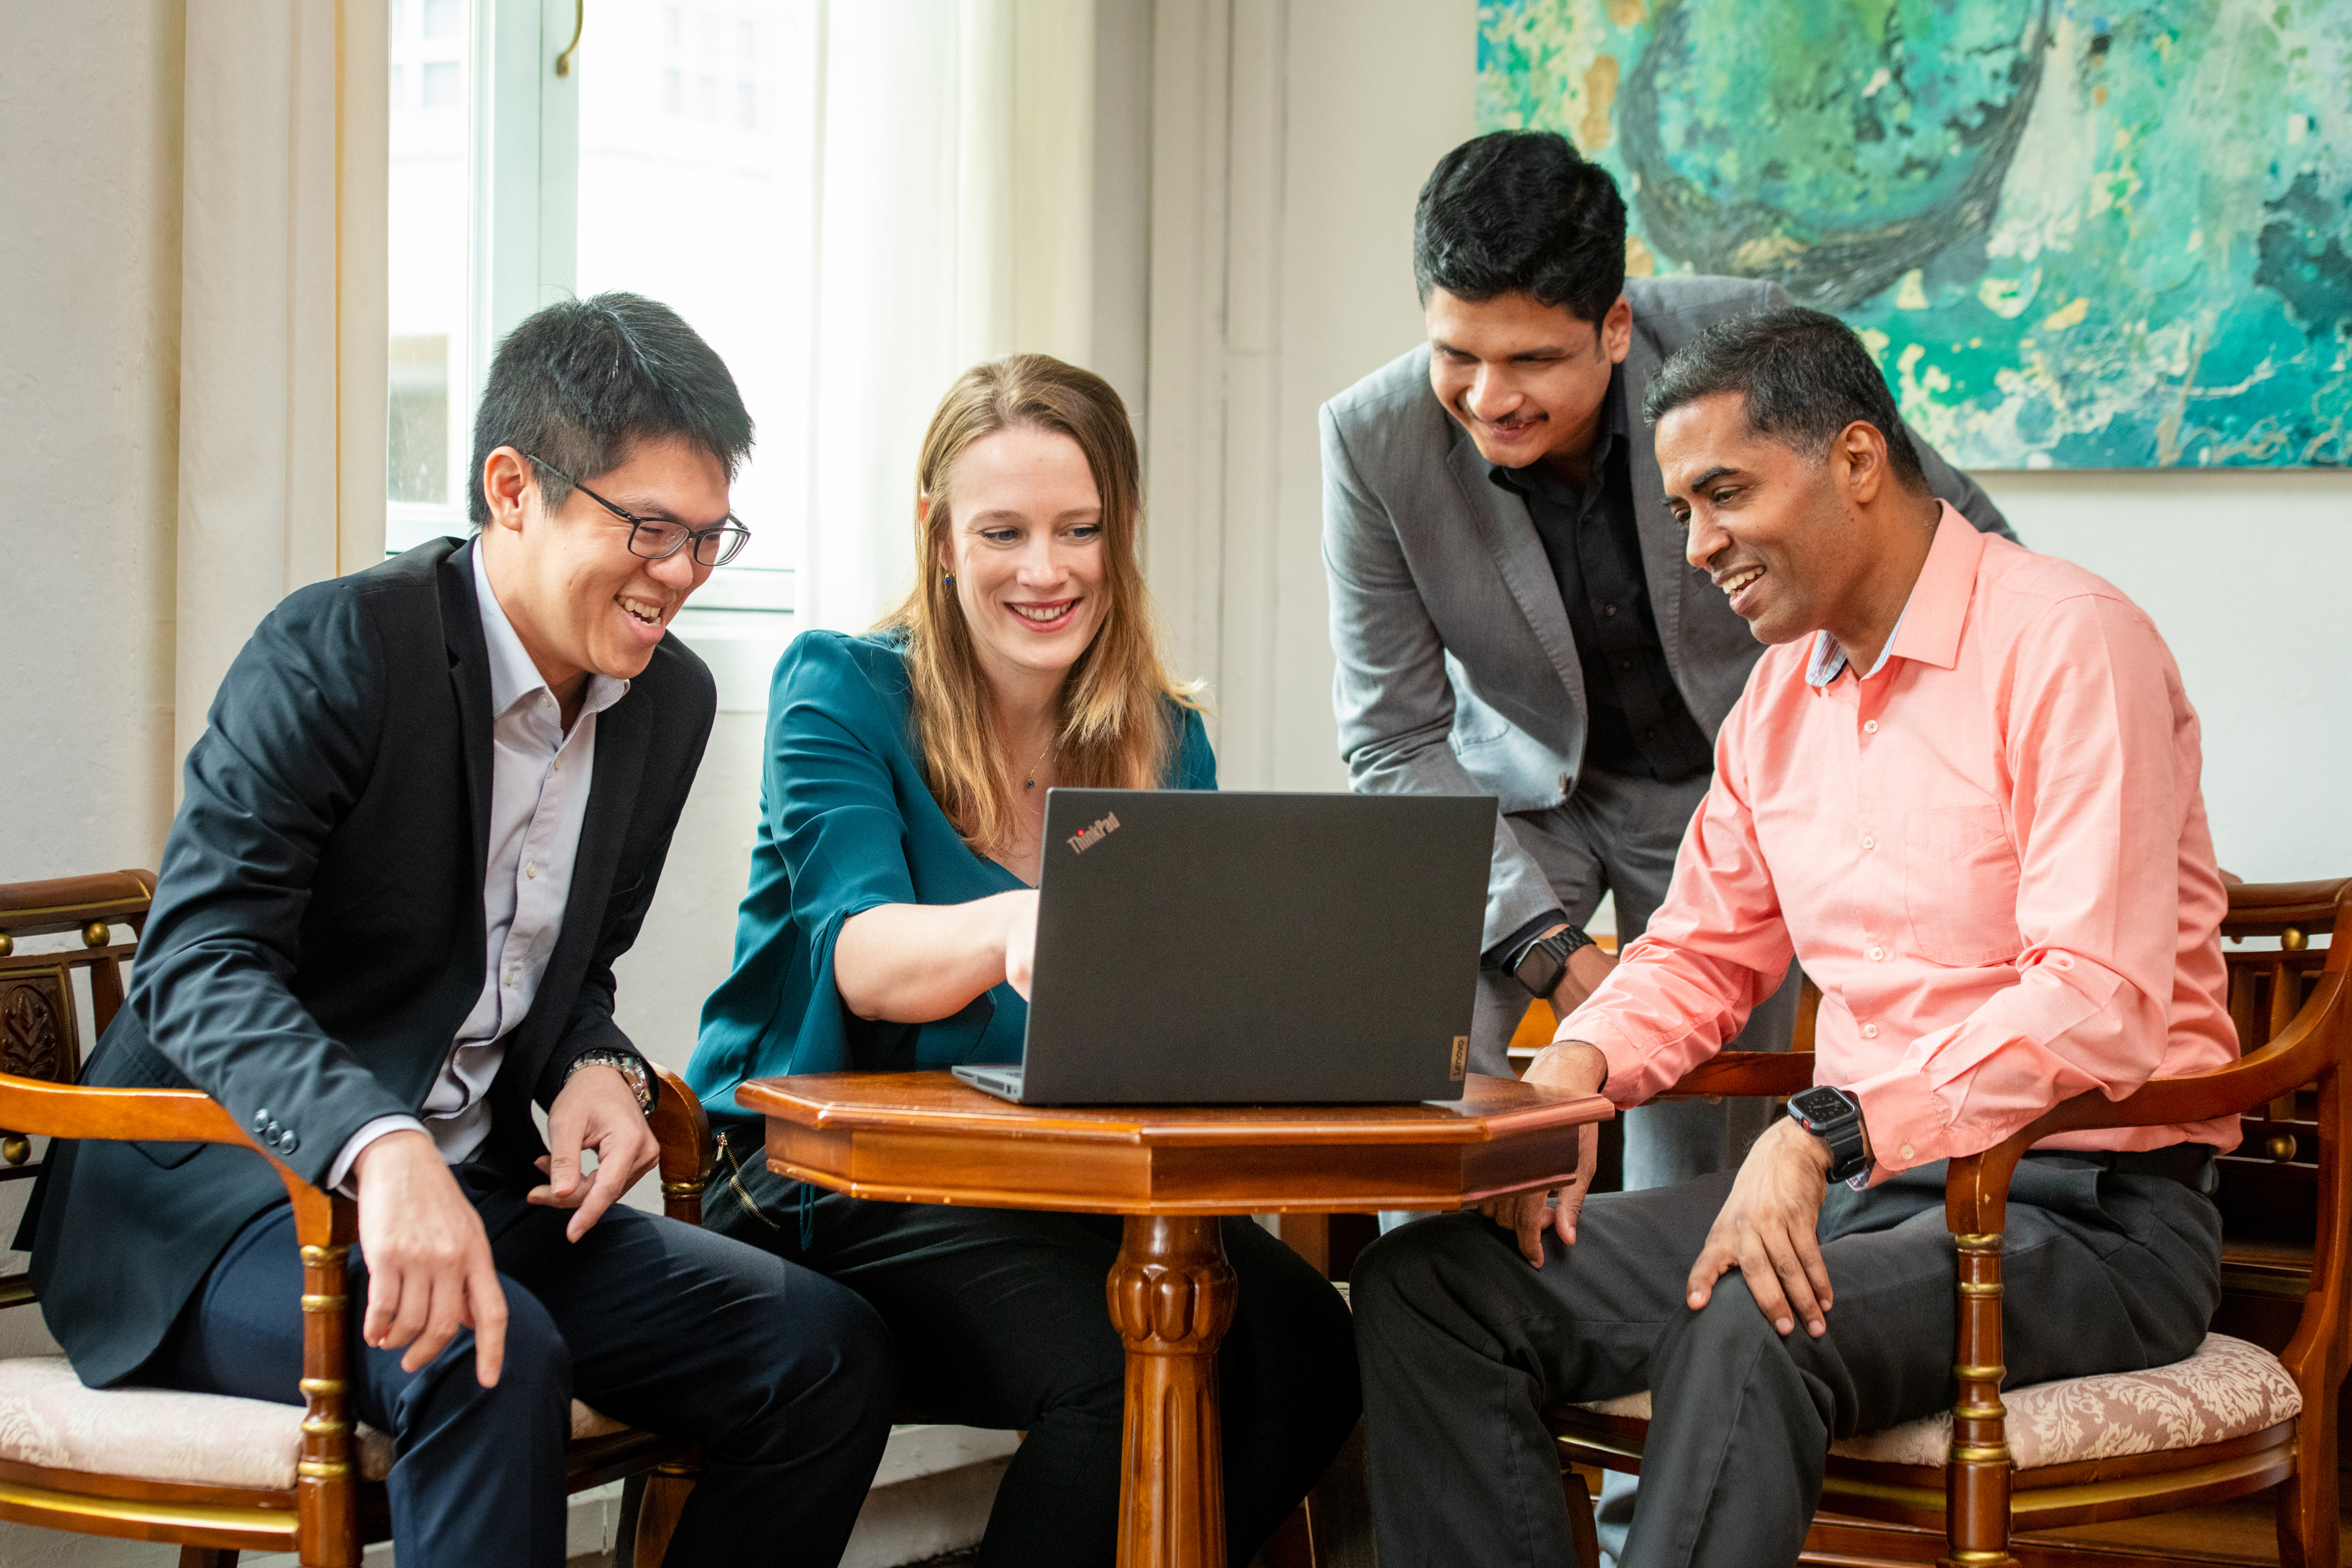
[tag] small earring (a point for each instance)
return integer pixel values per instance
(949, 578)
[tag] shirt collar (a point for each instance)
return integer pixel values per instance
(1928, 629)
(513, 676)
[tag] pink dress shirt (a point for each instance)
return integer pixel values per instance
(1991, 853)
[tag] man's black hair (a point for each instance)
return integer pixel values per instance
(1521, 212)
(579, 384)
(1804, 376)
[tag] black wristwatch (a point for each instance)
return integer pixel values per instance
(1542, 961)
(1834, 1117)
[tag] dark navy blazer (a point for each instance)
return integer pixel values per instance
(317, 935)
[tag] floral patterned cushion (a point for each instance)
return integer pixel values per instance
(2227, 1389)
(48, 1418)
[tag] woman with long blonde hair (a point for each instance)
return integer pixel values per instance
(890, 924)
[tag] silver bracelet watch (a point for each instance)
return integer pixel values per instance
(630, 1067)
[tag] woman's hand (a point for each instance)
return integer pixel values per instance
(1020, 940)
(912, 963)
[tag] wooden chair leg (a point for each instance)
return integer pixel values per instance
(1339, 1511)
(624, 1528)
(2307, 1526)
(1581, 1530)
(1293, 1545)
(666, 1493)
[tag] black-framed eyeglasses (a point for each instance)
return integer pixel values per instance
(658, 538)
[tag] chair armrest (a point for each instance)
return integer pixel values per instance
(36, 1105)
(683, 1129)
(2268, 909)
(1975, 1192)
(1739, 1073)
(69, 903)
(325, 1224)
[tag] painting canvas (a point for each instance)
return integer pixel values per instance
(2077, 235)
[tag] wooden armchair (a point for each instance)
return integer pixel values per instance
(214, 1474)
(2253, 1421)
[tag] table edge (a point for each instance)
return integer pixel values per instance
(988, 1198)
(761, 1098)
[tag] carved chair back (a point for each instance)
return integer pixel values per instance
(41, 1010)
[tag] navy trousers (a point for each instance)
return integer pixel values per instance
(784, 1377)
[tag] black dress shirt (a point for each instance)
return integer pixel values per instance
(1636, 724)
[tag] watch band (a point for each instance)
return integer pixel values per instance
(1542, 961)
(631, 1068)
(1834, 1117)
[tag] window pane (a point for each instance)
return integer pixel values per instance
(425, 437)
(709, 212)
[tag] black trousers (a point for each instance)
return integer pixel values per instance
(783, 1376)
(1001, 1320)
(1462, 1344)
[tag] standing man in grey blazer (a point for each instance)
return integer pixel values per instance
(1509, 603)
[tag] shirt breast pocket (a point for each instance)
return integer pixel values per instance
(1959, 885)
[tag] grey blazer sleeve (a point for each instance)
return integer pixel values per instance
(292, 741)
(1389, 690)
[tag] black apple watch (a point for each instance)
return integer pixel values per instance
(1834, 1117)
(1542, 961)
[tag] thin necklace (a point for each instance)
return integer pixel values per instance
(1031, 781)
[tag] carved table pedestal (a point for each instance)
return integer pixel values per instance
(924, 1137)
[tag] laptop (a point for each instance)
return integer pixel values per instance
(1210, 948)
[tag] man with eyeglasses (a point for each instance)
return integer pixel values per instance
(427, 818)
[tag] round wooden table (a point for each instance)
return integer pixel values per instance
(927, 1138)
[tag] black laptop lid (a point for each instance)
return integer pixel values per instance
(1223, 948)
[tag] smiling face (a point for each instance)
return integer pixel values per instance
(1025, 543)
(581, 602)
(1526, 380)
(1789, 538)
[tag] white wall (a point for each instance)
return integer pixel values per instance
(1289, 140)
(1376, 94)
(2241, 570)
(89, 315)
(89, 318)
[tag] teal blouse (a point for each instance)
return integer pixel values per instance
(847, 823)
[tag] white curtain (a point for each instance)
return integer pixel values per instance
(282, 321)
(954, 224)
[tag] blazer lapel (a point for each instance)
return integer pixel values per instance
(469, 677)
(1509, 535)
(1670, 576)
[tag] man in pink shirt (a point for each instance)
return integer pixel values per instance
(1961, 788)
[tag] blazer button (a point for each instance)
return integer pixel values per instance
(288, 1142)
(261, 1119)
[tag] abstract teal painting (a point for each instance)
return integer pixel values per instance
(2076, 234)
